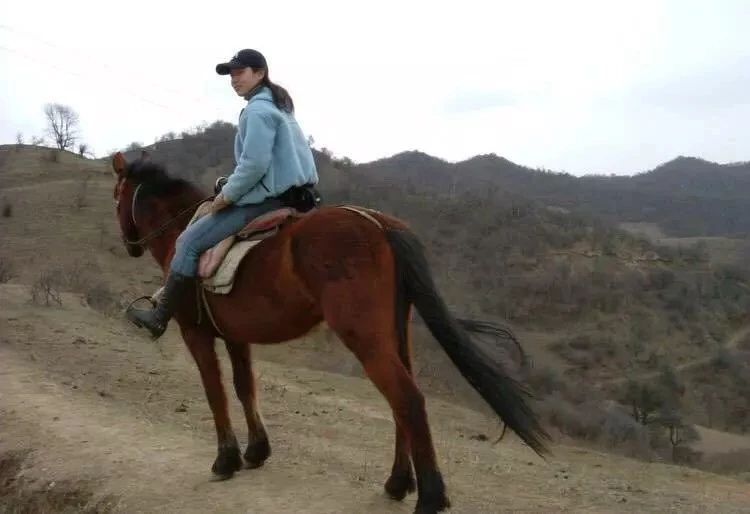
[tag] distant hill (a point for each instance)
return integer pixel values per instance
(686, 196)
(536, 247)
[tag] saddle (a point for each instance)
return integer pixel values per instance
(218, 265)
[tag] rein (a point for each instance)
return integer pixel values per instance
(159, 231)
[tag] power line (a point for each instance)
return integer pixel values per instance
(89, 58)
(87, 78)
(81, 76)
(84, 78)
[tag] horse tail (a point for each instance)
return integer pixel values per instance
(506, 396)
(403, 309)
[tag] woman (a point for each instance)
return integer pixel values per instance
(272, 156)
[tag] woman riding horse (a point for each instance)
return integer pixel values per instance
(272, 156)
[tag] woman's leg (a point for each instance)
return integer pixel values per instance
(211, 230)
(196, 239)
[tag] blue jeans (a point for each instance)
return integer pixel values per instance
(212, 229)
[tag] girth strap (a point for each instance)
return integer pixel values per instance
(364, 212)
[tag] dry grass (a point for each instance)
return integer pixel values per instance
(724, 250)
(651, 231)
(7, 270)
(100, 297)
(736, 462)
(333, 435)
(19, 496)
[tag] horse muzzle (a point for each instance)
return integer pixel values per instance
(134, 250)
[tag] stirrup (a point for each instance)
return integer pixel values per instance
(144, 297)
(153, 326)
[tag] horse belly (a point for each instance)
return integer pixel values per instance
(264, 321)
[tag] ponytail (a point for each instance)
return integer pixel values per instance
(281, 96)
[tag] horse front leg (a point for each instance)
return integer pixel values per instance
(258, 448)
(201, 346)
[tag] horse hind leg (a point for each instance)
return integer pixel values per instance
(389, 375)
(258, 447)
(380, 358)
(401, 481)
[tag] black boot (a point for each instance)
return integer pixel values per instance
(156, 319)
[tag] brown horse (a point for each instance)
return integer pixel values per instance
(359, 276)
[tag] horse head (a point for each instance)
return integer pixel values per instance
(124, 194)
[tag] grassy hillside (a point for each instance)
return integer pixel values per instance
(594, 305)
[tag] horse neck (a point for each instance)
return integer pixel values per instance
(162, 247)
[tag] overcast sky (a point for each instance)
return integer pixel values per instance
(579, 86)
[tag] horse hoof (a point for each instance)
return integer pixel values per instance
(432, 497)
(227, 463)
(257, 453)
(398, 486)
(432, 507)
(220, 478)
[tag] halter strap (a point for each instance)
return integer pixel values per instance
(132, 205)
(159, 231)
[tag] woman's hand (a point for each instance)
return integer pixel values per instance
(219, 203)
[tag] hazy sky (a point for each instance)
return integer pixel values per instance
(580, 86)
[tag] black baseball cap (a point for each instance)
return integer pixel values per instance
(246, 58)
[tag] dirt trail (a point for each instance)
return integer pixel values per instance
(103, 408)
(735, 339)
(156, 466)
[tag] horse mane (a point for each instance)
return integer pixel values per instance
(156, 181)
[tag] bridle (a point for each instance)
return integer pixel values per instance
(161, 229)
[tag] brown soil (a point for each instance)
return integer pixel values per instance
(118, 423)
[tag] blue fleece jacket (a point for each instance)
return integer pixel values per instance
(271, 152)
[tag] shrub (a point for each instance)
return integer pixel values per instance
(46, 289)
(6, 271)
(101, 298)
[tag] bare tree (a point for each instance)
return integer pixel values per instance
(680, 432)
(644, 399)
(47, 288)
(83, 150)
(62, 125)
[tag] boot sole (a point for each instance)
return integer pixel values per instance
(138, 324)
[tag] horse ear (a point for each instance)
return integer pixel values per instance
(119, 164)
